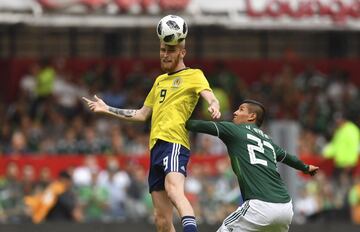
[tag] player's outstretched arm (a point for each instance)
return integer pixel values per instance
(214, 106)
(294, 162)
(99, 106)
(200, 126)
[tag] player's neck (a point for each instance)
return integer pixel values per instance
(178, 70)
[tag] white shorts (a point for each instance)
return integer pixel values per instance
(256, 215)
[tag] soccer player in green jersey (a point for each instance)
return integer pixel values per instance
(267, 205)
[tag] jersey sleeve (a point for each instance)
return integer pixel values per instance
(200, 126)
(150, 99)
(219, 129)
(225, 132)
(290, 160)
(200, 82)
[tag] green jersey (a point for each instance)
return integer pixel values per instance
(253, 158)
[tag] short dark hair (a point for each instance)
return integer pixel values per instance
(257, 108)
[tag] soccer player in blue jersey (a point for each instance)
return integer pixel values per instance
(267, 205)
(170, 104)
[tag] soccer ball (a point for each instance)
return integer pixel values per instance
(172, 29)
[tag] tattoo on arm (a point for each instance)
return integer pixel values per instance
(122, 112)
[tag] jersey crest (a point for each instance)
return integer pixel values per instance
(177, 82)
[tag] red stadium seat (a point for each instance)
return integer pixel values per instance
(50, 4)
(93, 3)
(173, 5)
(125, 5)
(147, 3)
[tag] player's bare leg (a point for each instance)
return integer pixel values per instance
(163, 211)
(174, 186)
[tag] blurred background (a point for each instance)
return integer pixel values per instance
(301, 58)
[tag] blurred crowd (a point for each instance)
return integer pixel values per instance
(114, 193)
(48, 117)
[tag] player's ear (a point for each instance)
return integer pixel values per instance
(252, 117)
(183, 52)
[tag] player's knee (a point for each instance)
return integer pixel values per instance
(174, 192)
